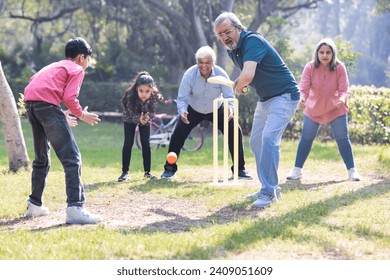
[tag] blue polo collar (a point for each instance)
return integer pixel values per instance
(243, 34)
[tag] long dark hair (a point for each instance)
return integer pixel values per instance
(131, 94)
(330, 43)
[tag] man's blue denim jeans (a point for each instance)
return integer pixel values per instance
(269, 123)
(49, 125)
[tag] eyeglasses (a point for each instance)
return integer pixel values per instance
(226, 33)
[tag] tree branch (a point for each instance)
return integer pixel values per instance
(45, 19)
(293, 9)
(267, 7)
(162, 8)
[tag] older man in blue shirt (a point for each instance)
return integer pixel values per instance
(262, 68)
(195, 103)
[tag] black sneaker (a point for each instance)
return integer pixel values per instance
(124, 177)
(168, 174)
(243, 174)
(149, 176)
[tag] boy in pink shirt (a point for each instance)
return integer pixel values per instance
(324, 91)
(56, 83)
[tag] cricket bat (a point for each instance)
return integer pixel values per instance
(221, 80)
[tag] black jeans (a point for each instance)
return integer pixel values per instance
(49, 125)
(144, 131)
(182, 131)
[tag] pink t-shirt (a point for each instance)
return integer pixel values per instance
(58, 82)
(321, 89)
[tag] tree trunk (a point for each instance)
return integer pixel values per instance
(225, 5)
(12, 129)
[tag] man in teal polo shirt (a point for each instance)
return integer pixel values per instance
(262, 68)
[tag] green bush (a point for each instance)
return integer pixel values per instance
(369, 115)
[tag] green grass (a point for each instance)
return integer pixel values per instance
(322, 217)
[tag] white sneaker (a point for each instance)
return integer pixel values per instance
(353, 175)
(36, 211)
(79, 215)
(254, 196)
(295, 174)
(264, 200)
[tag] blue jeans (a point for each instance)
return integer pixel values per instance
(49, 125)
(340, 133)
(269, 122)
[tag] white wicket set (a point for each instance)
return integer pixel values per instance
(226, 169)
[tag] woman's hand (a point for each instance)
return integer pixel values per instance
(340, 103)
(302, 104)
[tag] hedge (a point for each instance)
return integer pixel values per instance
(368, 117)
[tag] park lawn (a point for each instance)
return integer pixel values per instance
(322, 217)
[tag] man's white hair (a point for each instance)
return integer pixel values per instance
(204, 51)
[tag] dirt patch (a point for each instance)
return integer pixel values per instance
(138, 211)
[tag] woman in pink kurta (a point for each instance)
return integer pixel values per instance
(324, 95)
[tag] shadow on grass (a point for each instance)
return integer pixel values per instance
(282, 227)
(13, 221)
(144, 187)
(297, 185)
(97, 186)
(51, 227)
(162, 184)
(7, 223)
(361, 231)
(159, 184)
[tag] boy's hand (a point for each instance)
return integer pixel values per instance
(89, 118)
(72, 121)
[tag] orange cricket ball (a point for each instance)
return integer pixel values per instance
(171, 157)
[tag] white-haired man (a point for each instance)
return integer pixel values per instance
(195, 104)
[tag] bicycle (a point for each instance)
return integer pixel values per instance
(160, 134)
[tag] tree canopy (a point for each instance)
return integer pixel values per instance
(129, 35)
(161, 36)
